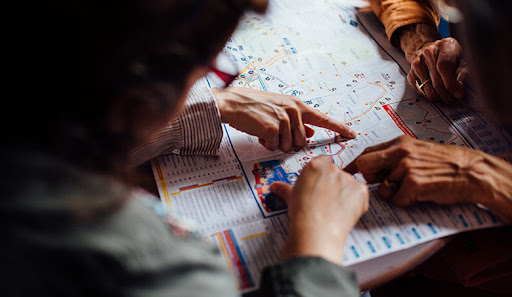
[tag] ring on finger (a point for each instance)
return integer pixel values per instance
(419, 86)
(393, 186)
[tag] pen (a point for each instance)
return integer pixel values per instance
(336, 139)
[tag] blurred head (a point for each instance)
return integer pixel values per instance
(98, 76)
(488, 41)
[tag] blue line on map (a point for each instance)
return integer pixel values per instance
(241, 256)
(247, 180)
(243, 171)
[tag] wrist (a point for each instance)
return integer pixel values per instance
(317, 242)
(496, 176)
(222, 104)
(412, 38)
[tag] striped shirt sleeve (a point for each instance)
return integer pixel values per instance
(196, 131)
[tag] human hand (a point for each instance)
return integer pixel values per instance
(440, 63)
(277, 120)
(324, 205)
(424, 171)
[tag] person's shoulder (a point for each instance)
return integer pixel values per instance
(87, 235)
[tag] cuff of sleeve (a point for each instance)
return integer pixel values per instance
(196, 131)
(201, 124)
(308, 276)
(167, 140)
(406, 13)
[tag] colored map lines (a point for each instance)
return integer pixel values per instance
(236, 262)
(398, 121)
(420, 119)
(156, 165)
(196, 186)
(255, 235)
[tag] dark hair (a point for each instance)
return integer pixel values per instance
(77, 58)
(488, 38)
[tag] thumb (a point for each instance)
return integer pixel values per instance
(281, 190)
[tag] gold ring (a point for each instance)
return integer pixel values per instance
(390, 185)
(419, 86)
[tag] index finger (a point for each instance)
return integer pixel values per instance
(315, 117)
(352, 167)
(376, 164)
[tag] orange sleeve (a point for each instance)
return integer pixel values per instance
(395, 14)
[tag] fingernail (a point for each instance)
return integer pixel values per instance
(353, 134)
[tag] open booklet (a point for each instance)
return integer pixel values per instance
(339, 61)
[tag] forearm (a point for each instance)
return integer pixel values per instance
(496, 175)
(412, 38)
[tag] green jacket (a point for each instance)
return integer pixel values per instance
(72, 233)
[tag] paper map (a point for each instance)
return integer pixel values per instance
(338, 61)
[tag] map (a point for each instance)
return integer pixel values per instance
(337, 60)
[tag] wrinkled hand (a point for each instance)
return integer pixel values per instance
(277, 120)
(441, 62)
(425, 171)
(323, 206)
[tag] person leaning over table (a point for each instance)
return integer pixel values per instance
(97, 79)
(410, 171)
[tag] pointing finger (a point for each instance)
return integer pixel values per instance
(317, 118)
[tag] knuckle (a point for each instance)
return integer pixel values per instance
(271, 129)
(293, 110)
(428, 52)
(319, 162)
(406, 164)
(403, 139)
(416, 63)
(281, 113)
(294, 99)
(446, 41)
(405, 149)
(313, 166)
(449, 41)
